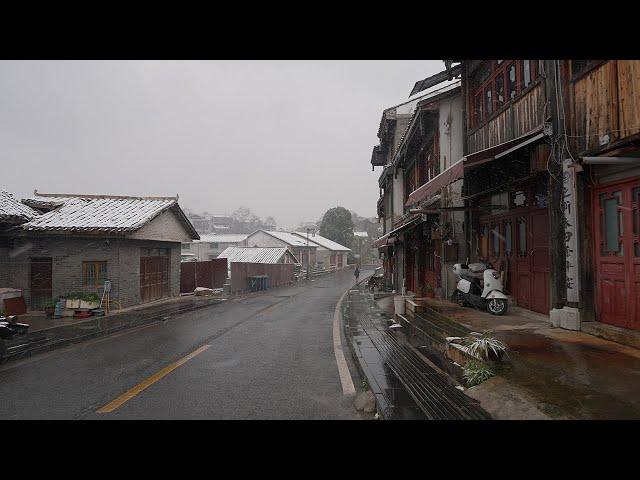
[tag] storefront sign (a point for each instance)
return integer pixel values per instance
(569, 198)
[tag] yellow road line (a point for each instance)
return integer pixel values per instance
(128, 395)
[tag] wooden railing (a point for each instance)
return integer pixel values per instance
(520, 117)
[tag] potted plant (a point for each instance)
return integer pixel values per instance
(89, 301)
(49, 307)
(73, 300)
(485, 347)
(429, 292)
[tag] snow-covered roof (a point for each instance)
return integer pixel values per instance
(323, 242)
(45, 203)
(104, 213)
(289, 238)
(432, 92)
(255, 254)
(360, 234)
(223, 238)
(13, 211)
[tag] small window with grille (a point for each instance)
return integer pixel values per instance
(94, 273)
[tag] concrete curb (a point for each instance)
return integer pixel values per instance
(348, 389)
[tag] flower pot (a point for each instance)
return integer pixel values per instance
(88, 305)
(72, 304)
(399, 305)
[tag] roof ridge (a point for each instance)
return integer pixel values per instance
(105, 196)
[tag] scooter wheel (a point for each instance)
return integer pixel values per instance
(497, 306)
(458, 298)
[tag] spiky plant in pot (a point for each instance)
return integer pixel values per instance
(485, 347)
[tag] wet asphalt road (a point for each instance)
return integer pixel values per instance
(270, 356)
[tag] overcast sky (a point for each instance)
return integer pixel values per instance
(288, 139)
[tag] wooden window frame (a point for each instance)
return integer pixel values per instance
(480, 118)
(98, 279)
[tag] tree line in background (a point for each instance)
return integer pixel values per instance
(243, 220)
(337, 224)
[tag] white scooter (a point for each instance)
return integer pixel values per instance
(480, 286)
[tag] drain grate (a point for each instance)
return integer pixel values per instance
(431, 391)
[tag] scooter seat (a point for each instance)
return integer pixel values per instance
(477, 267)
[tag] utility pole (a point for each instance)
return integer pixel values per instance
(555, 186)
(309, 229)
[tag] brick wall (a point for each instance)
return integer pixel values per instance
(68, 253)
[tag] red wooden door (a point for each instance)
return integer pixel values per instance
(154, 278)
(539, 261)
(410, 261)
(41, 282)
(617, 253)
(522, 275)
(519, 242)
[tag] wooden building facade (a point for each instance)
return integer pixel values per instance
(546, 188)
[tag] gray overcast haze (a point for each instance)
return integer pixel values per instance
(288, 139)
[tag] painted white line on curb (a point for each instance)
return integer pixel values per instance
(343, 370)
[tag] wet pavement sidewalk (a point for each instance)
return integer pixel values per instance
(405, 386)
(550, 372)
(48, 333)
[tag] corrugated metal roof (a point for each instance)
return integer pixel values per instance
(323, 242)
(254, 254)
(290, 238)
(13, 211)
(223, 238)
(101, 214)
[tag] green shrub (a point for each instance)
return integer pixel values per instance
(91, 297)
(49, 303)
(476, 372)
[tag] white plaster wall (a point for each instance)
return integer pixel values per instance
(165, 227)
(451, 131)
(398, 194)
(261, 239)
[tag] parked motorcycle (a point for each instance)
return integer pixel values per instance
(8, 328)
(480, 286)
(376, 281)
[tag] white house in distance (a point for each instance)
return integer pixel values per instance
(329, 253)
(295, 244)
(210, 246)
(258, 255)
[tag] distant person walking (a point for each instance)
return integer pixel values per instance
(357, 273)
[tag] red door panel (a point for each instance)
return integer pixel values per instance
(617, 253)
(539, 258)
(527, 261)
(41, 282)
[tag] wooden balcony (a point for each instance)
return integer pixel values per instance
(606, 105)
(518, 118)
